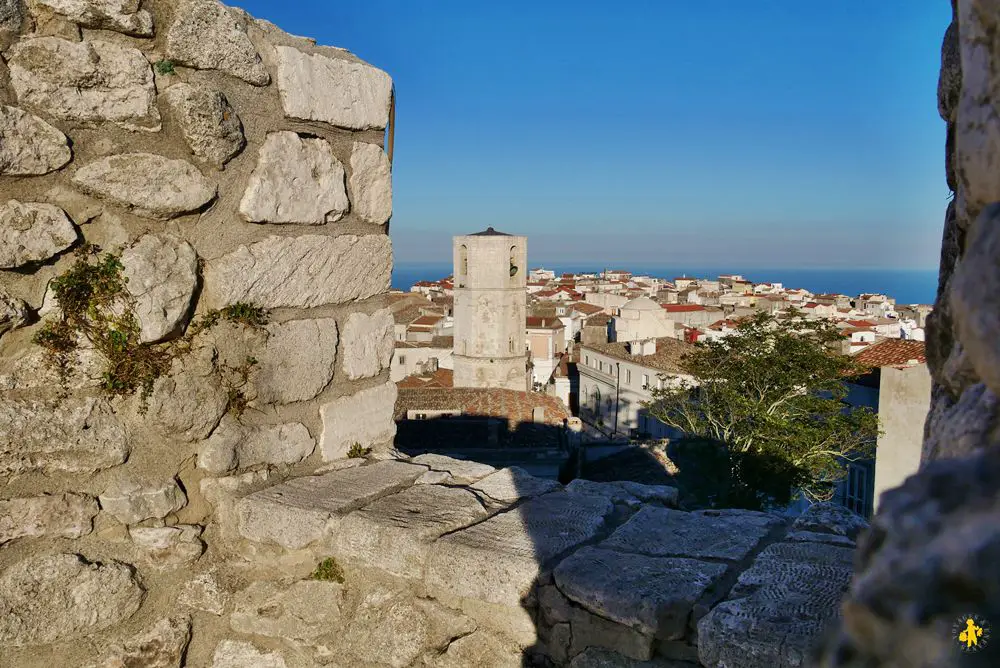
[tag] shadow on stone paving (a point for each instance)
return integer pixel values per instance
(611, 573)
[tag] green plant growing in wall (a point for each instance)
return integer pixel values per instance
(164, 67)
(94, 305)
(328, 570)
(357, 451)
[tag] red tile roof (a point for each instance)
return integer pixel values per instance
(682, 308)
(860, 323)
(533, 322)
(442, 378)
(585, 308)
(892, 352)
(516, 406)
(427, 320)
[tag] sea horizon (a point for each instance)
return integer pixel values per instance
(906, 286)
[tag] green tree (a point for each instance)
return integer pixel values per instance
(766, 404)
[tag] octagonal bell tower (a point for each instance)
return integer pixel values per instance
(490, 310)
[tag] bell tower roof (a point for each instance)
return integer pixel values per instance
(490, 232)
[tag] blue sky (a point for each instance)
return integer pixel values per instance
(764, 133)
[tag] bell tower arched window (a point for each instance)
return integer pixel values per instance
(463, 265)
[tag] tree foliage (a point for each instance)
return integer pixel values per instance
(771, 394)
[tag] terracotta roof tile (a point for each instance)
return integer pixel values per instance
(682, 308)
(892, 352)
(516, 406)
(666, 358)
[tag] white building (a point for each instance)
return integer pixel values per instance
(616, 378)
(641, 319)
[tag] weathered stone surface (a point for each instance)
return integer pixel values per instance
(461, 471)
(75, 435)
(298, 361)
(958, 428)
(211, 127)
(589, 630)
(30, 368)
(397, 628)
(120, 15)
(513, 483)
(977, 139)
(664, 494)
(664, 532)
(59, 597)
(131, 502)
(301, 272)
(499, 560)
(831, 518)
(168, 547)
(778, 609)
(819, 537)
(927, 561)
(88, 82)
(302, 610)
(297, 180)
(653, 595)
(604, 658)
(204, 593)
(371, 183)
(368, 344)
(239, 654)
(13, 312)
(160, 646)
(150, 185)
(950, 77)
(395, 533)
(207, 35)
(236, 446)
(364, 418)
(189, 402)
(304, 510)
(631, 494)
(30, 146)
(343, 92)
(162, 273)
(63, 515)
(434, 478)
(481, 648)
(975, 286)
(31, 232)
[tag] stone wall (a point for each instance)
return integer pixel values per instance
(228, 162)
(929, 562)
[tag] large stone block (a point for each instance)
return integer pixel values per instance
(212, 129)
(301, 272)
(499, 560)
(237, 446)
(298, 361)
(239, 654)
(604, 658)
(162, 273)
(207, 35)
(75, 435)
(653, 595)
(512, 484)
(398, 629)
(368, 344)
(171, 547)
(150, 185)
(950, 76)
(297, 180)
(120, 15)
(302, 610)
(664, 532)
(189, 402)
(364, 418)
(131, 502)
(371, 183)
(28, 145)
(341, 91)
(481, 648)
(162, 645)
(31, 232)
(63, 515)
(778, 609)
(462, 472)
(305, 510)
(830, 518)
(13, 312)
(60, 597)
(88, 82)
(395, 533)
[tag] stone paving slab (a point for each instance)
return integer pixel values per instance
(304, 510)
(664, 532)
(462, 471)
(499, 560)
(653, 595)
(778, 608)
(395, 532)
(512, 484)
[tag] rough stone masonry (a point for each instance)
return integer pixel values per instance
(231, 162)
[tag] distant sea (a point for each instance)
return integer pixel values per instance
(906, 286)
